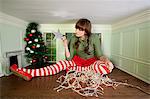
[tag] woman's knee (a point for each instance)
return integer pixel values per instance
(102, 68)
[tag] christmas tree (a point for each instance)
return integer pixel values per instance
(35, 49)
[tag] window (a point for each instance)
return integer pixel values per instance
(50, 42)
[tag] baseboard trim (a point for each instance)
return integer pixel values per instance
(147, 81)
(1, 74)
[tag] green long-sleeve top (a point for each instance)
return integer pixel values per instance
(94, 47)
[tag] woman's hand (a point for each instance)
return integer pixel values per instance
(65, 41)
(106, 61)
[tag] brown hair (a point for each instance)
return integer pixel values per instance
(84, 25)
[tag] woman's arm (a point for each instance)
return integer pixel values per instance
(65, 41)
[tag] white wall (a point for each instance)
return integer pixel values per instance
(12, 31)
(11, 36)
(131, 45)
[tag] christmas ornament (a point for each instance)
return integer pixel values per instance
(26, 39)
(45, 57)
(33, 47)
(27, 48)
(38, 45)
(30, 35)
(33, 60)
(35, 40)
(33, 31)
(29, 42)
(31, 51)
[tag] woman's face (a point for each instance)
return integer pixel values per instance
(80, 33)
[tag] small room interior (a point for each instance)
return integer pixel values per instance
(123, 27)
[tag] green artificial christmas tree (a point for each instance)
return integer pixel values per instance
(35, 49)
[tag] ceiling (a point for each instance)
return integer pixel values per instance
(68, 11)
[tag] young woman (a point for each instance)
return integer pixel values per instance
(84, 53)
